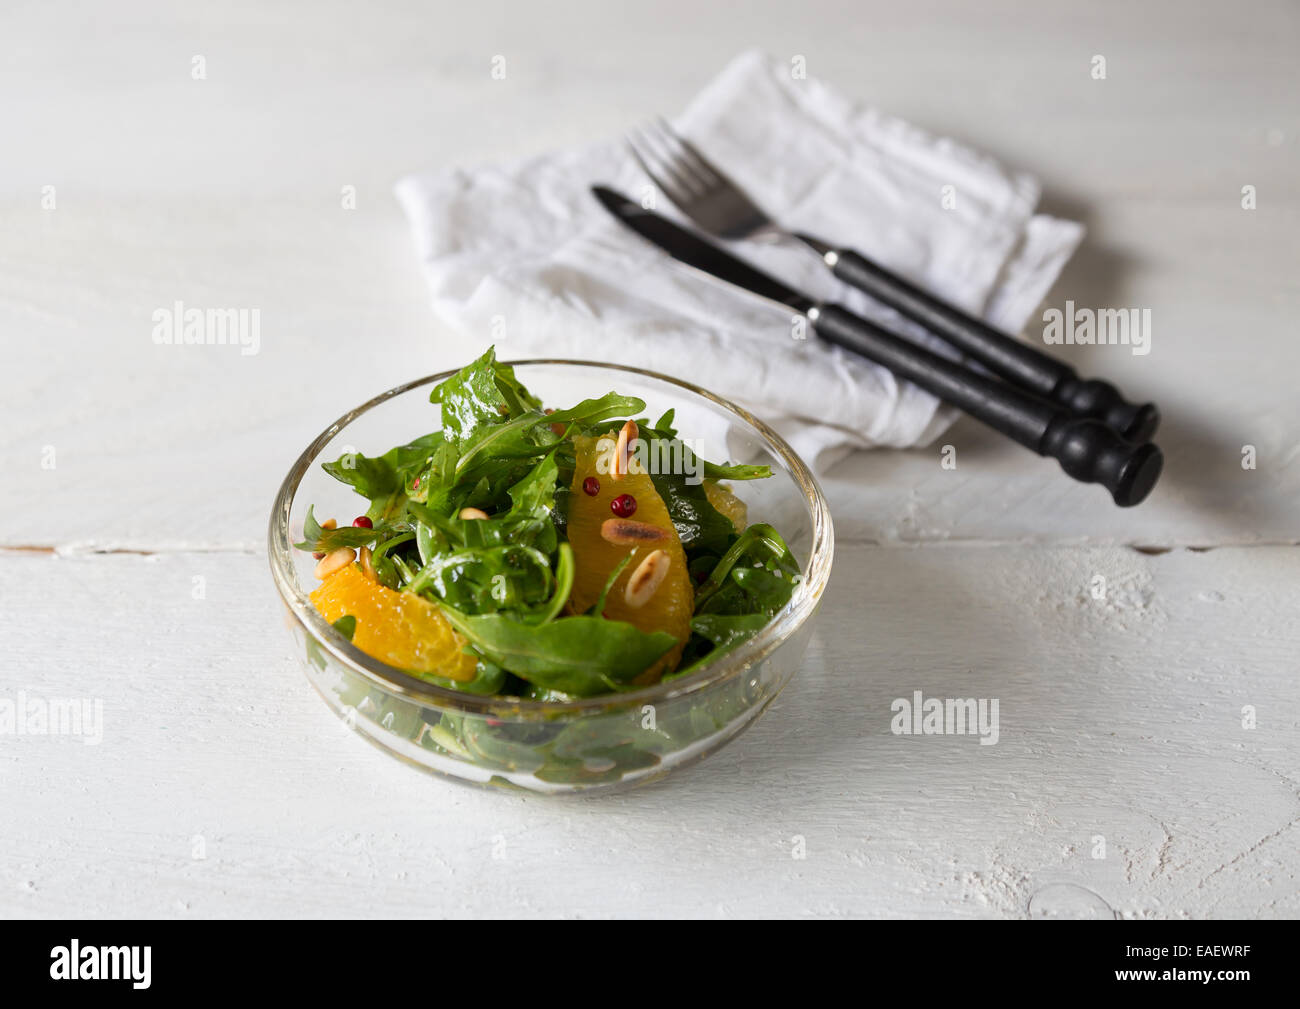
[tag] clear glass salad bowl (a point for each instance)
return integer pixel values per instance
(591, 743)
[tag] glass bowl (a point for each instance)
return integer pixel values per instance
(591, 743)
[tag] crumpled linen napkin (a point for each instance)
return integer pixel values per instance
(522, 255)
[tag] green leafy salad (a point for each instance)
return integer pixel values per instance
(546, 554)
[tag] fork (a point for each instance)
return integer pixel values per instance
(705, 194)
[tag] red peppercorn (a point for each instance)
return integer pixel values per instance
(363, 522)
(591, 486)
(624, 506)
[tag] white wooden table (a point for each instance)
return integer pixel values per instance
(222, 786)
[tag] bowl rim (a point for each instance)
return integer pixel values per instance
(801, 607)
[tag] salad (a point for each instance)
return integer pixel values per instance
(546, 554)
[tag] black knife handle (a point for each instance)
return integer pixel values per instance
(1086, 448)
(1004, 355)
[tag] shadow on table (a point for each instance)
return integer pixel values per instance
(1203, 454)
(883, 633)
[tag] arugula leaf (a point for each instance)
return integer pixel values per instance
(664, 425)
(766, 591)
(598, 609)
(435, 483)
(385, 569)
(471, 399)
(692, 462)
(724, 632)
(532, 502)
(728, 630)
(480, 395)
(426, 542)
(321, 540)
(578, 655)
(526, 436)
(527, 521)
(346, 625)
(735, 587)
(487, 579)
(735, 471)
(517, 397)
(597, 411)
(404, 573)
(383, 479)
(530, 434)
(498, 563)
(564, 573)
(699, 525)
(488, 679)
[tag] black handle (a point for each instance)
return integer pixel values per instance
(1086, 448)
(1016, 361)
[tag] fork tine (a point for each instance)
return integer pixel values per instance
(670, 144)
(689, 154)
(643, 156)
(663, 171)
(700, 191)
(663, 168)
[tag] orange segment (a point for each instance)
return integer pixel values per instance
(726, 503)
(670, 608)
(399, 628)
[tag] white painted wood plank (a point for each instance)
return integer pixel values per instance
(1119, 718)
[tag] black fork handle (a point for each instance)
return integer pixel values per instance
(1087, 449)
(1002, 354)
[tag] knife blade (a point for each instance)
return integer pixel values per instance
(693, 251)
(1087, 449)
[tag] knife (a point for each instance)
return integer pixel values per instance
(1087, 449)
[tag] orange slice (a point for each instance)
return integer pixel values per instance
(726, 503)
(670, 608)
(399, 628)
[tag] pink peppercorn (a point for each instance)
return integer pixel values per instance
(624, 506)
(591, 486)
(363, 522)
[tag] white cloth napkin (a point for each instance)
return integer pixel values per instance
(523, 255)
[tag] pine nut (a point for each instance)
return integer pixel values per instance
(473, 513)
(367, 568)
(646, 579)
(618, 466)
(336, 560)
(630, 532)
